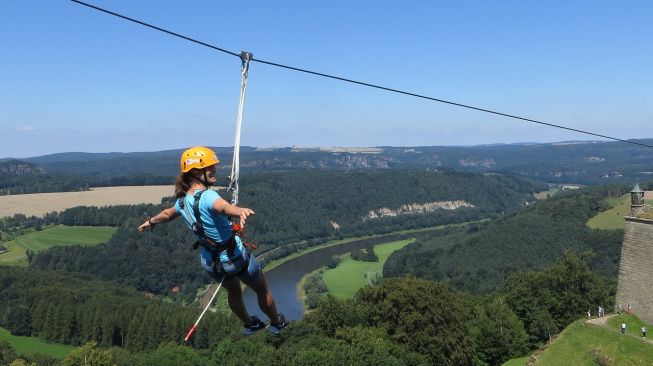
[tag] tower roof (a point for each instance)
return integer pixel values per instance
(637, 189)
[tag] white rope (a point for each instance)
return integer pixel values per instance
(245, 57)
(192, 330)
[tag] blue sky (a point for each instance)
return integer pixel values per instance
(75, 79)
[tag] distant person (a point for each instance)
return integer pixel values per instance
(222, 253)
(589, 315)
(621, 308)
(629, 310)
(623, 328)
(643, 332)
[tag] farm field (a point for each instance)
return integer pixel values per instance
(614, 217)
(54, 236)
(39, 204)
(29, 345)
(350, 275)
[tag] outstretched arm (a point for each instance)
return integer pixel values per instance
(166, 215)
(224, 207)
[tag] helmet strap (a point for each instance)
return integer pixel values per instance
(206, 179)
(202, 178)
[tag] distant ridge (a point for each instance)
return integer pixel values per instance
(565, 162)
(86, 156)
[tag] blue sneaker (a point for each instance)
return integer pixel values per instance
(278, 325)
(254, 326)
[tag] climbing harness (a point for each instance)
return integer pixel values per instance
(214, 247)
(197, 226)
(245, 58)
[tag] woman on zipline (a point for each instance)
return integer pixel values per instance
(222, 253)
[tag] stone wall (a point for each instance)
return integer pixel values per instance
(635, 286)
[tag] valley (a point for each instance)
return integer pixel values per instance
(465, 238)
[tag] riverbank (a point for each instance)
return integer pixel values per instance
(284, 274)
(278, 262)
(350, 275)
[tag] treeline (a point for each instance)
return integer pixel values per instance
(82, 216)
(542, 300)
(293, 207)
(479, 258)
(405, 321)
(70, 310)
(19, 224)
(23, 177)
(315, 288)
(46, 183)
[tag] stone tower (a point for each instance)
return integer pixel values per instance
(636, 267)
(636, 201)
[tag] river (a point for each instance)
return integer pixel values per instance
(283, 279)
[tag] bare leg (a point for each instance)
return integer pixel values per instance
(236, 299)
(265, 300)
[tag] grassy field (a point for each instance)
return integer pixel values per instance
(29, 345)
(53, 236)
(350, 275)
(583, 344)
(633, 324)
(516, 362)
(614, 217)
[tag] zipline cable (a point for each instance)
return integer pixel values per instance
(245, 58)
(364, 83)
(157, 28)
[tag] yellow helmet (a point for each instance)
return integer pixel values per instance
(198, 157)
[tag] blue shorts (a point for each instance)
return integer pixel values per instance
(247, 275)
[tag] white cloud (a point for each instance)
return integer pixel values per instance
(25, 129)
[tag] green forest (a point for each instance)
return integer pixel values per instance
(290, 207)
(461, 295)
(479, 258)
(406, 321)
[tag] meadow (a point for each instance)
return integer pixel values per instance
(614, 217)
(53, 236)
(516, 362)
(350, 275)
(30, 345)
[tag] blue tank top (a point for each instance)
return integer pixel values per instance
(216, 225)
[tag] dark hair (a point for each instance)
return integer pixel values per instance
(182, 185)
